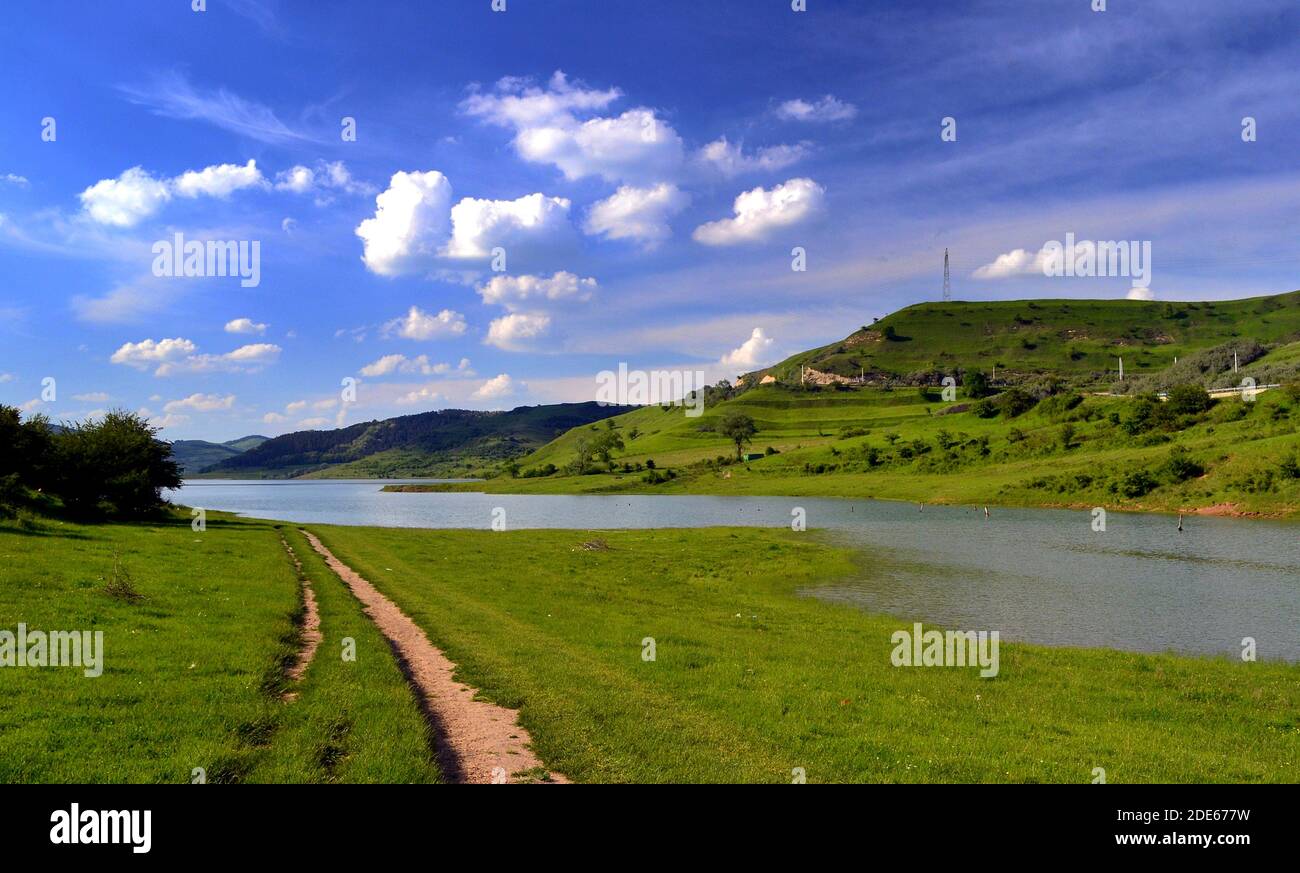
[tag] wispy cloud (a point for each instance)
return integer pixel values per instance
(173, 96)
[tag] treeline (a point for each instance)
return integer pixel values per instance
(114, 466)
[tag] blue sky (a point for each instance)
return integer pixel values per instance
(646, 168)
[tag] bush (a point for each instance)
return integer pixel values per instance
(1016, 402)
(1188, 399)
(1180, 468)
(1137, 484)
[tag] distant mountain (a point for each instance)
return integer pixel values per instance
(443, 443)
(194, 455)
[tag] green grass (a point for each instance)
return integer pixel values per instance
(752, 680)
(1067, 337)
(193, 668)
(823, 439)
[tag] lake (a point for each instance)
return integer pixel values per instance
(1036, 575)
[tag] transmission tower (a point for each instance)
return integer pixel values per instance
(947, 279)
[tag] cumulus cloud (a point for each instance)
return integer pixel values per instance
(421, 364)
(1017, 262)
(516, 331)
(639, 214)
(730, 159)
(126, 200)
(828, 108)
(1141, 294)
(420, 396)
(636, 145)
(409, 225)
(515, 291)
(178, 355)
(751, 353)
(147, 353)
(136, 194)
(12, 179)
(420, 325)
(478, 226)
(760, 212)
(245, 325)
(497, 387)
(201, 403)
(218, 180)
(327, 178)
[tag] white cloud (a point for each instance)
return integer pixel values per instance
(514, 332)
(11, 179)
(730, 159)
(126, 302)
(328, 177)
(288, 225)
(312, 423)
(298, 179)
(512, 291)
(201, 403)
(7, 377)
(420, 395)
(273, 418)
(496, 387)
(245, 325)
(173, 96)
(828, 108)
(218, 180)
(1141, 294)
(136, 195)
(421, 325)
(165, 421)
(147, 353)
(760, 212)
(402, 364)
(637, 213)
(635, 146)
(1017, 262)
(751, 353)
(409, 225)
(179, 355)
(478, 226)
(126, 200)
(92, 397)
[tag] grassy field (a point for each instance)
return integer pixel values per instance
(865, 443)
(751, 680)
(196, 643)
(1065, 337)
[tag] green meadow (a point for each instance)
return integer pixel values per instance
(750, 679)
(198, 631)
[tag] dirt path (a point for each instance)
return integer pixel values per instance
(478, 741)
(311, 634)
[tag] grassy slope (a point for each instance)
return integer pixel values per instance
(806, 428)
(192, 672)
(751, 681)
(1081, 337)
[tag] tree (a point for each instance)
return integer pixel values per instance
(604, 445)
(739, 428)
(116, 464)
(1189, 399)
(976, 384)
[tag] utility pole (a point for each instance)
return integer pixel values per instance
(947, 279)
(1121, 369)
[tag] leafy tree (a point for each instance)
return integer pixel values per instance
(1189, 399)
(976, 384)
(739, 428)
(116, 464)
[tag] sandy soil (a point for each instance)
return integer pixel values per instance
(478, 741)
(311, 634)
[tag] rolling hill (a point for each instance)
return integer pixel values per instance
(195, 455)
(447, 442)
(1076, 339)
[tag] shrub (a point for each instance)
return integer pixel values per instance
(1016, 402)
(1188, 399)
(1180, 468)
(1137, 484)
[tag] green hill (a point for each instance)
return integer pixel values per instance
(1053, 433)
(196, 455)
(1078, 339)
(447, 442)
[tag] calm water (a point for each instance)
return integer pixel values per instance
(1032, 574)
